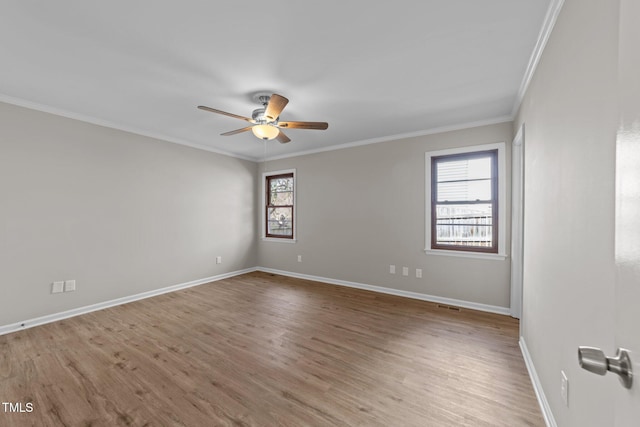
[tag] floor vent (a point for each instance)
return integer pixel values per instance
(449, 307)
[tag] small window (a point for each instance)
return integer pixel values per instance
(464, 201)
(279, 206)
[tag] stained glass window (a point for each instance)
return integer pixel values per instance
(279, 206)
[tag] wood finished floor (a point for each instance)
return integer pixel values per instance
(267, 350)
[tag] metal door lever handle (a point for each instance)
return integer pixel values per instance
(593, 360)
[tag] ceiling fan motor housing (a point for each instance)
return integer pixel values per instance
(258, 116)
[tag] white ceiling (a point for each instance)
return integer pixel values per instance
(371, 69)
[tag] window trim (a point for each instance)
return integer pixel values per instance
(494, 201)
(263, 216)
(502, 199)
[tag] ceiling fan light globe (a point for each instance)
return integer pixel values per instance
(265, 131)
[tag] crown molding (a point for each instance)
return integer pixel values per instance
(545, 32)
(432, 131)
(108, 124)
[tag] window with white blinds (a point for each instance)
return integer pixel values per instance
(465, 201)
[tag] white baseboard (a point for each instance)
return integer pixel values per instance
(30, 323)
(6, 329)
(391, 291)
(537, 386)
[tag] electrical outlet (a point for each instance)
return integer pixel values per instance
(218, 260)
(69, 285)
(564, 388)
(419, 273)
(392, 269)
(57, 287)
(405, 271)
(299, 258)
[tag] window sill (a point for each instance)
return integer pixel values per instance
(463, 254)
(272, 239)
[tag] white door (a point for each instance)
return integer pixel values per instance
(627, 247)
(627, 220)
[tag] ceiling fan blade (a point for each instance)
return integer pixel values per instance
(224, 113)
(304, 125)
(275, 106)
(234, 132)
(282, 138)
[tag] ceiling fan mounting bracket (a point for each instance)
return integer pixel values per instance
(262, 98)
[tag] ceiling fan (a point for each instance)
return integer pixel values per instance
(265, 121)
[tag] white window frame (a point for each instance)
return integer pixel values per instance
(263, 210)
(502, 202)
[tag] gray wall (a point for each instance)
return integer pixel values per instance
(124, 214)
(119, 213)
(569, 113)
(361, 209)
